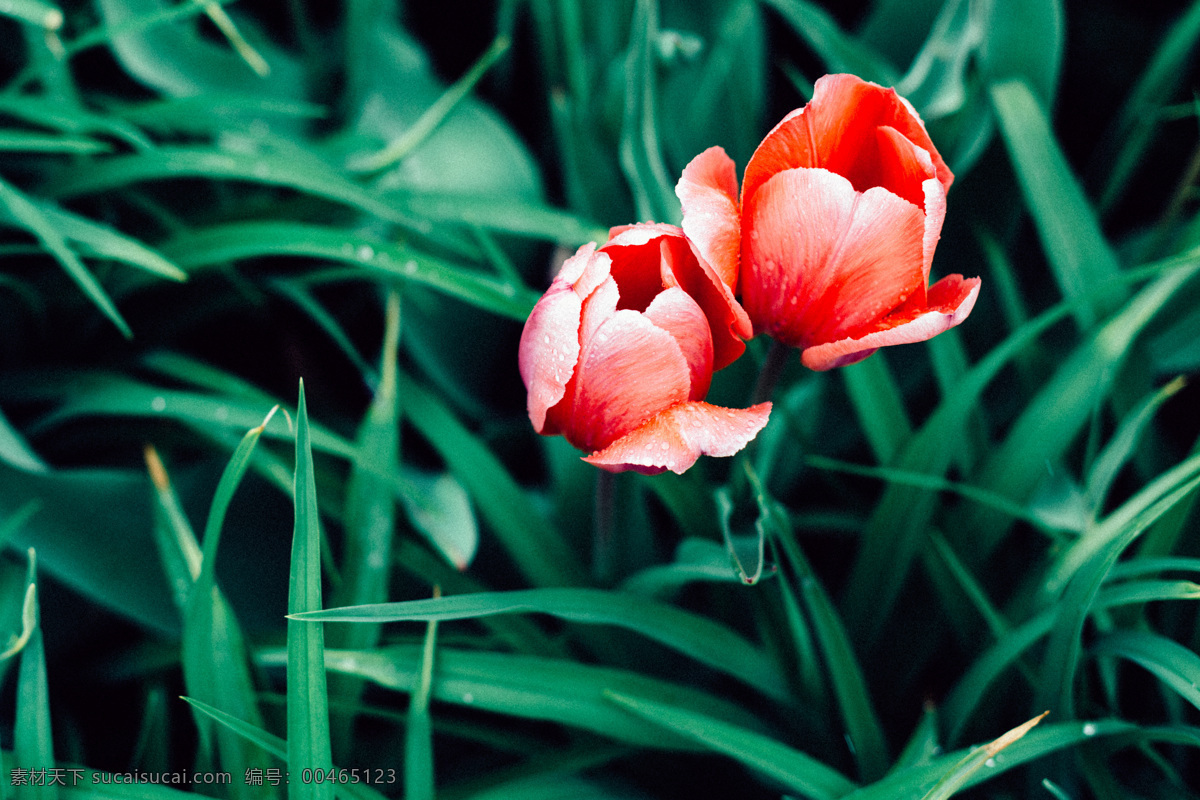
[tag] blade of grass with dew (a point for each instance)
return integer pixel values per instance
(307, 706)
(863, 730)
(1133, 131)
(1056, 686)
(28, 215)
(1122, 444)
(974, 761)
(35, 12)
(118, 396)
(16, 452)
(553, 690)
(795, 770)
(370, 516)
(536, 547)
(840, 51)
(29, 624)
(33, 742)
(307, 175)
(1172, 663)
(1053, 418)
(177, 546)
(971, 687)
(878, 406)
(19, 141)
(1079, 255)
(696, 636)
(215, 663)
(428, 122)
(418, 734)
(640, 148)
(245, 240)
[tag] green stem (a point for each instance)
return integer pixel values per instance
(772, 369)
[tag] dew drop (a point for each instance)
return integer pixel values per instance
(366, 252)
(546, 338)
(159, 403)
(410, 267)
(666, 446)
(468, 697)
(1089, 729)
(991, 762)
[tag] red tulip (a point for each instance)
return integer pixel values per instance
(618, 354)
(840, 211)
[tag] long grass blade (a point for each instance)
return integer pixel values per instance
(33, 741)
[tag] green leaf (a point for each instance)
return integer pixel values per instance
(1079, 256)
(695, 560)
(15, 451)
(1024, 40)
(839, 50)
(536, 547)
(36, 12)
(307, 703)
(33, 743)
(418, 736)
(18, 141)
(698, 637)
(793, 769)
(210, 247)
(878, 406)
(1172, 663)
(26, 213)
(555, 690)
(960, 773)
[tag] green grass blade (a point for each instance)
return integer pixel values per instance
(15, 451)
(428, 122)
(36, 12)
(28, 215)
(840, 51)
(863, 730)
(793, 769)
(512, 215)
(641, 151)
(19, 141)
(536, 547)
(418, 736)
(33, 742)
(555, 690)
(879, 407)
(1053, 418)
(695, 560)
(284, 170)
(370, 513)
(177, 546)
(1172, 663)
(1079, 255)
(307, 703)
(246, 240)
(698, 637)
(215, 664)
(1134, 129)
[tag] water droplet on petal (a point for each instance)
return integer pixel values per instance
(546, 338)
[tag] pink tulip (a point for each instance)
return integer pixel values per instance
(840, 211)
(618, 354)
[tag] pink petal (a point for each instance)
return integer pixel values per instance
(822, 259)
(675, 312)
(676, 437)
(628, 371)
(709, 193)
(950, 301)
(727, 319)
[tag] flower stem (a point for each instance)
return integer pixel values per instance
(602, 539)
(772, 369)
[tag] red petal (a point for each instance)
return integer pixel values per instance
(675, 438)
(822, 259)
(837, 131)
(709, 193)
(950, 301)
(677, 313)
(628, 371)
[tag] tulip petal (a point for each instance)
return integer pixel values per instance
(676, 437)
(837, 131)
(708, 191)
(549, 346)
(950, 301)
(822, 259)
(675, 312)
(629, 371)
